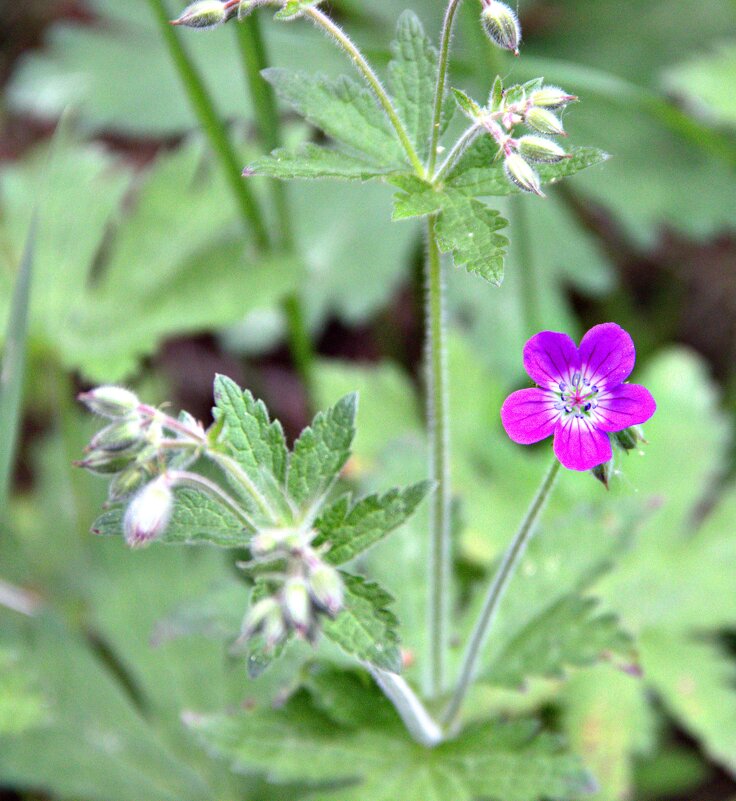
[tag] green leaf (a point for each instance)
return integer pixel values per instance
(706, 83)
(695, 680)
(166, 244)
(417, 198)
(342, 109)
(467, 105)
(313, 161)
(22, 706)
(480, 174)
(510, 761)
(195, 520)
(350, 531)
(104, 71)
(468, 229)
(294, 8)
(412, 74)
(365, 628)
(608, 720)
(257, 444)
(571, 633)
(321, 452)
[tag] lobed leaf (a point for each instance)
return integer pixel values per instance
(313, 161)
(195, 520)
(571, 633)
(351, 530)
(509, 762)
(468, 229)
(412, 74)
(343, 109)
(320, 453)
(365, 628)
(258, 445)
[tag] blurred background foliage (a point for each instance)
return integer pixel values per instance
(143, 272)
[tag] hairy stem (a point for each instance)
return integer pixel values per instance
(213, 127)
(439, 468)
(495, 593)
(418, 721)
(233, 469)
(254, 57)
(373, 81)
(439, 92)
(462, 144)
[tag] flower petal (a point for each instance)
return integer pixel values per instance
(623, 406)
(579, 445)
(529, 415)
(607, 355)
(550, 357)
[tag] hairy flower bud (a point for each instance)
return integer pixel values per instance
(522, 175)
(502, 25)
(539, 149)
(544, 121)
(325, 586)
(109, 401)
(105, 463)
(148, 514)
(257, 615)
(118, 436)
(629, 438)
(128, 482)
(604, 472)
(297, 606)
(203, 14)
(550, 97)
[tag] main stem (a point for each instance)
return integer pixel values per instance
(346, 43)
(438, 423)
(495, 593)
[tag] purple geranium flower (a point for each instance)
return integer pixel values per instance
(580, 398)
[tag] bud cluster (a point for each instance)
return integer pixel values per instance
(306, 588)
(537, 107)
(133, 452)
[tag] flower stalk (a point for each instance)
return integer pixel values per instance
(495, 593)
(438, 424)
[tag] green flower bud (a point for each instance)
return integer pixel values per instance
(105, 463)
(127, 483)
(502, 25)
(297, 606)
(109, 401)
(325, 586)
(274, 629)
(550, 97)
(521, 174)
(604, 472)
(539, 149)
(629, 438)
(257, 616)
(203, 14)
(544, 121)
(118, 436)
(148, 514)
